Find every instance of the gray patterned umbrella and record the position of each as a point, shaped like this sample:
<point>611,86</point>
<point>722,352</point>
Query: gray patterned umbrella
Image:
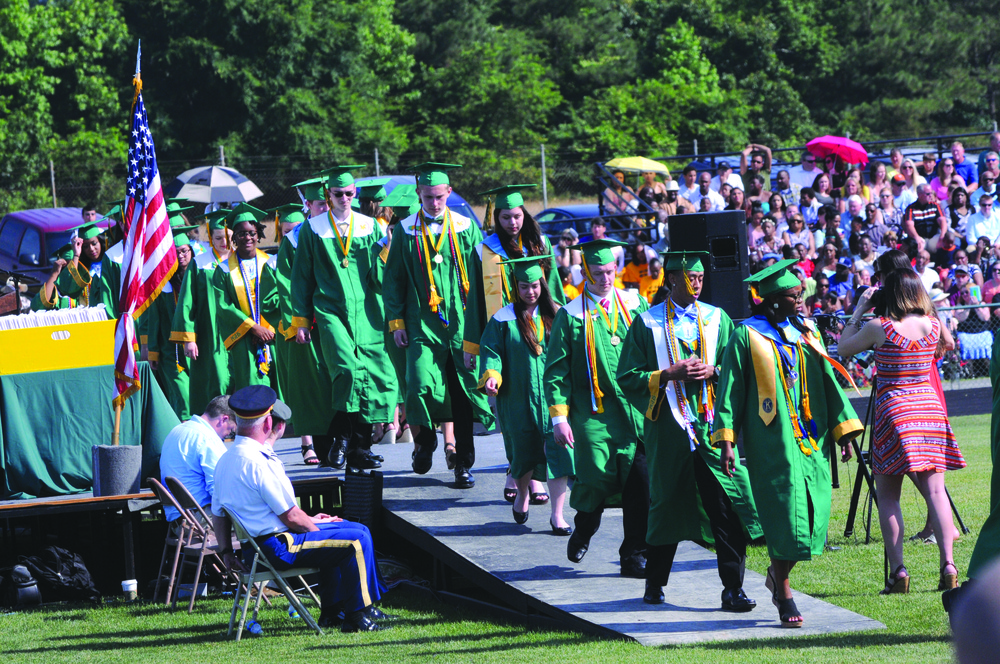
<point>212,184</point>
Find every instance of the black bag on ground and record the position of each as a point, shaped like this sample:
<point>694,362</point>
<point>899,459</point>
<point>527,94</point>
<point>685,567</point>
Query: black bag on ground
<point>18,589</point>
<point>61,575</point>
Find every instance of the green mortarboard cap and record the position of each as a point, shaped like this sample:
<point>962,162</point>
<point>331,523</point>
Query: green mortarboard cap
<point>775,278</point>
<point>373,189</point>
<point>181,239</point>
<point>598,252</point>
<point>431,174</point>
<point>689,261</point>
<point>174,206</point>
<point>88,231</point>
<point>312,189</point>
<point>115,213</point>
<point>243,213</point>
<point>64,252</point>
<point>217,219</point>
<point>355,203</point>
<point>403,200</point>
<point>339,176</point>
<point>290,213</point>
<point>528,269</point>
<point>509,196</point>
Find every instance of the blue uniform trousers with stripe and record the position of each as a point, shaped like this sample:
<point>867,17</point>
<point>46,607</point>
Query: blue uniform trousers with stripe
<point>343,552</point>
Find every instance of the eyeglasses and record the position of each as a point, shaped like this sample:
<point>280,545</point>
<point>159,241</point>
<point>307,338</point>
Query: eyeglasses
<point>991,159</point>
<point>809,161</point>
<point>947,164</point>
<point>907,168</point>
<point>885,195</point>
<point>242,234</point>
<point>342,194</point>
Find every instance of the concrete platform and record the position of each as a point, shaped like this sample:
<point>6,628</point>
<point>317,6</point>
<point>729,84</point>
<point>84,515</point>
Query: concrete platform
<point>474,533</point>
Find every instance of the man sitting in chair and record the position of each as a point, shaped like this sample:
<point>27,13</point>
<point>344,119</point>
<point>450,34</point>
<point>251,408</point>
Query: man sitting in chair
<point>250,482</point>
<point>193,448</point>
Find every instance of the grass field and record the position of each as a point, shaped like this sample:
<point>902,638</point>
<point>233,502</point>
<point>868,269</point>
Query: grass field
<point>917,627</point>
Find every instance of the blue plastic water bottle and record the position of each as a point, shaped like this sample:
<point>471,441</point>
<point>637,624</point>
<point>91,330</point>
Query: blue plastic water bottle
<point>254,628</point>
<point>292,612</point>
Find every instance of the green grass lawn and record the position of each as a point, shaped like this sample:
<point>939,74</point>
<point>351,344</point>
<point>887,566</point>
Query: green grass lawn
<point>917,627</point>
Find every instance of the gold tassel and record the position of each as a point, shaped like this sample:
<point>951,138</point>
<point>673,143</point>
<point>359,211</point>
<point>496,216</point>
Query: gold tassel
<point>277,229</point>
<point>586,270</point>
<point>757,299</point>
<point>488,217</point>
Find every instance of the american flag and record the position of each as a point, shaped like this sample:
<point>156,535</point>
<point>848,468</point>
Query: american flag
<point>150,259</point>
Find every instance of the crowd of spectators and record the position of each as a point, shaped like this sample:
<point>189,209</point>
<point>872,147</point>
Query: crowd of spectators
<point>837,219</point>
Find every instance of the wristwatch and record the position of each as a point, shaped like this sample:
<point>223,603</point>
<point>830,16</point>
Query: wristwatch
<point>716,372</point>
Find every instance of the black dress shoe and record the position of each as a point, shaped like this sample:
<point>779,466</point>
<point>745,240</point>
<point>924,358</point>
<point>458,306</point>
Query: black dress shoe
<point>465,480</point>
<point>376,457</point>
<point>560,532</point>
<point>737,601</point>
<point>338,453</point>
<point>519,517</point>
<point>374,613</point>
<point>358,621</point>
<point>634,567</point>
<point>423,458</point>
<point>362,460</point>
<point>576,549</point>
<point>654,593</point>
<point>334,618</point>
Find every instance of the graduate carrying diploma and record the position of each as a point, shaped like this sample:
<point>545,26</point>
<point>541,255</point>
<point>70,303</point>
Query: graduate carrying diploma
<point>776,385</point>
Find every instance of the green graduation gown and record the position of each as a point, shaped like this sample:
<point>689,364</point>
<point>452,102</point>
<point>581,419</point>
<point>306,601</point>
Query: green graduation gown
<point>196,319</point>
<point>397,355</point>
<point>675,512</point>
<point>432,344</point>
<point>348,315</point>
<point>59,301</point>
<point>173,372</point>
<point>80,282</point>
<point>491,293</point>
<point>988,545</point>
<point>110,280</point>
<point>521,410</point>
<point>605,442</point>
<point>786,482</point>
<point>305,386</point>
<point>235,319</point>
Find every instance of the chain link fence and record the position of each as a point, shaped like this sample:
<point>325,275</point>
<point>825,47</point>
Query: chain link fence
<point>973,328</point>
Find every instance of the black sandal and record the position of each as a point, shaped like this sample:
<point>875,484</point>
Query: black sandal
<point>897,584</point>
<point>540,498</point>
<point>509,493</point>
<point>786,607</point>
<point>309,460</point>
<point>449,454</point>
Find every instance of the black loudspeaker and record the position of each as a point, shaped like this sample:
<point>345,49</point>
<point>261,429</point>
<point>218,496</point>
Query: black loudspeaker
<point>724,236</point>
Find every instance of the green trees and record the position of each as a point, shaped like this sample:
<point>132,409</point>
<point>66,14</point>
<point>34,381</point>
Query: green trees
<point>482,82</point>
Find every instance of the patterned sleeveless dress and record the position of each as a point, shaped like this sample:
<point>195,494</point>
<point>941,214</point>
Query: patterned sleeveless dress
<point>912,432</point>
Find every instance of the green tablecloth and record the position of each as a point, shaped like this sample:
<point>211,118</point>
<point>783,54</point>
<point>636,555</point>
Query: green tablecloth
<point>50,420</point>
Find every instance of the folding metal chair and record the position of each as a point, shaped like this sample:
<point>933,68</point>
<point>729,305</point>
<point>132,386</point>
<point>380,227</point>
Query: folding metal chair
<point>178,534</point>
<point>203,542</point>
<point>270,574</point>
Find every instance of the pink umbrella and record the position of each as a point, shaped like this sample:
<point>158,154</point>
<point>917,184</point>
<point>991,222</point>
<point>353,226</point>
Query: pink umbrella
<point>850,151</point>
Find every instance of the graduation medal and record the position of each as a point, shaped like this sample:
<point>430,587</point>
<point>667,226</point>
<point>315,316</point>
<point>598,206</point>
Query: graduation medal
<point>345,247</point>
<point>438,259</point>
<point>615,340</point>
<point>801,433</point>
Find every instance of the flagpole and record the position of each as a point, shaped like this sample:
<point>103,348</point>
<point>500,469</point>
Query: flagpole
<point>137,82</point>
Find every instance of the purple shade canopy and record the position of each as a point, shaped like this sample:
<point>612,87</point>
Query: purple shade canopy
<point>51,220</point>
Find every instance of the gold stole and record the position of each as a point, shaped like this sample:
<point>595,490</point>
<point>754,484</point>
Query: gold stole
<point>495,286</point>
<point>241,294</point>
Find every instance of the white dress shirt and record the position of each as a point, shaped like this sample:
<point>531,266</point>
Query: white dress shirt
<point>250,481</point>
<point>190,453</point>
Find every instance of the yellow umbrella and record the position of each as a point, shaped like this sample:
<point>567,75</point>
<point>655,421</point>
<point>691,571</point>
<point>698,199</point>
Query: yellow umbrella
<point>638,165</point>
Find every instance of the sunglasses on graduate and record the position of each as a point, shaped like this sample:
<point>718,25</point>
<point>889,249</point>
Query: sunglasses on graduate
<point>242,234</point>
<point>341,194</point>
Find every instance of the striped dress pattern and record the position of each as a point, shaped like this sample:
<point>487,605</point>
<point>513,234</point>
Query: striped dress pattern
<point>912,432</point>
